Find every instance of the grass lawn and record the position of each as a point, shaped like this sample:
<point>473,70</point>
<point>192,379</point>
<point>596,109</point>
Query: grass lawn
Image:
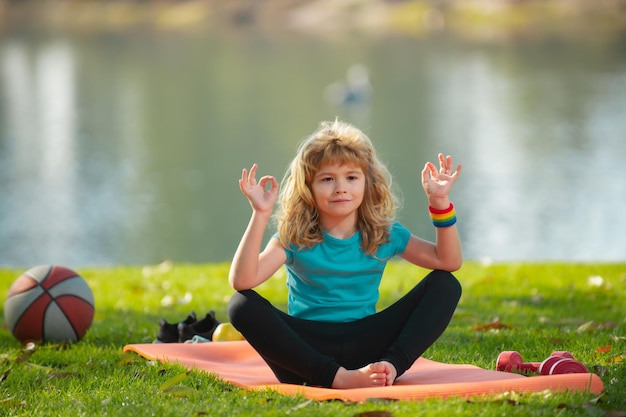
<point>532,308</point>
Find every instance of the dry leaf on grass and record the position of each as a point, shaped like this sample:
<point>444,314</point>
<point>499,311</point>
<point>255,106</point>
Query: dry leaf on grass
<point>494,325</point>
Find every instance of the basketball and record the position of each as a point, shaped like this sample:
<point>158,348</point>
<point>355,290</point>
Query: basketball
<point>49,303</point>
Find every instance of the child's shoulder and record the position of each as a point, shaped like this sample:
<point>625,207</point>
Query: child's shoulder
<point>397,227</point>
<point>399,236</point>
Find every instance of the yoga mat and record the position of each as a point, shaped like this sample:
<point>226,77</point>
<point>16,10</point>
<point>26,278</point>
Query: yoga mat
<point>238,363</point>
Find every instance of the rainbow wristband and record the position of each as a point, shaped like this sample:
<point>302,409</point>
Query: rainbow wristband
<point>443,218</point>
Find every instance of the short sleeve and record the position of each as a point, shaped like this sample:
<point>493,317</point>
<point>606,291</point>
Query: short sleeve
<point>398,240</point>
<point>288,253</point>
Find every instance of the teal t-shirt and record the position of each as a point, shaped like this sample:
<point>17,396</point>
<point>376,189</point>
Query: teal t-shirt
<point>335,281</point>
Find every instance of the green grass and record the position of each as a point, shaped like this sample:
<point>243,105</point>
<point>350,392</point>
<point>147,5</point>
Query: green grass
<point>536,308</point>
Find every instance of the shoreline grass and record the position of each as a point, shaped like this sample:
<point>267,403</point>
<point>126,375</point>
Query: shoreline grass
<point>534,308</point>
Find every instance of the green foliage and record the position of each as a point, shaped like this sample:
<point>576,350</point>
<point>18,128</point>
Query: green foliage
<point>532,308</point>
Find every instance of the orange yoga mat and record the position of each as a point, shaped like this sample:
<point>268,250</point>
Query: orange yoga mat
<point>240,364</point>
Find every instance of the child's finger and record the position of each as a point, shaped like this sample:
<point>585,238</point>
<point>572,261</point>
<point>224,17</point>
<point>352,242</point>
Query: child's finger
<point>272,181</point>
<point>458,171</point>
<point>243,181</point>
<point>449,163</point>
<point>429,168</point>
<point>274,188</point>
<point>251,177</point>
<point>263,181</point>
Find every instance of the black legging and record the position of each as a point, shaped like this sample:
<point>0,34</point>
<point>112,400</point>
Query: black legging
<point>311,352</point>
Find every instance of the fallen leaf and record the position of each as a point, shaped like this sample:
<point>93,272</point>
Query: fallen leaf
<point>591,325</point>
<point>376,413</point>
<point>585,327</point>
<point>603,349</point>
<point>179,391</point>
<point>173,381</point>
<point>127,358</point>
<point>302,405</point>
<point>27,352</point>
<point>5,375</point>
<point>494,325</point>
<point>63,375</point>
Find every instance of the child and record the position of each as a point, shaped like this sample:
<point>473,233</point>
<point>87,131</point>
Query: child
<point>336,232</point>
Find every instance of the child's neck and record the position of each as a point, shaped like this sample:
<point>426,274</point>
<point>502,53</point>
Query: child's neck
<point>340,229</point>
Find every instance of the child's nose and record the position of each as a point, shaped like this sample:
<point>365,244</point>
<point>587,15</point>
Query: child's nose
<point>340,187</point>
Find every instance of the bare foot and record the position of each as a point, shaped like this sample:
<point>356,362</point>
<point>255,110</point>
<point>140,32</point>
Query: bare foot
<point>391,372</point>
<point>376,374</point>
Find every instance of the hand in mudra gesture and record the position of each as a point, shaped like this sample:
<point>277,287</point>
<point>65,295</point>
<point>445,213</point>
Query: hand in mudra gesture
<point>261,197</point>
<point>438,183</point>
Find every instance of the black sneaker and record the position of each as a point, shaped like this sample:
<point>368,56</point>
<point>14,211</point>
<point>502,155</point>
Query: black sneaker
<point>168,332</point>
<point>203,328</point>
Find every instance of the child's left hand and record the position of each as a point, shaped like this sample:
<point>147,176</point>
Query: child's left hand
<point>438,183</point>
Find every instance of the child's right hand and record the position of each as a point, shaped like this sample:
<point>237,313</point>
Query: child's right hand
<point>260,197</point>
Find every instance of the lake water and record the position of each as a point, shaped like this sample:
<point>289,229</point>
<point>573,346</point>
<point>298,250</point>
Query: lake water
<point>126,149</point>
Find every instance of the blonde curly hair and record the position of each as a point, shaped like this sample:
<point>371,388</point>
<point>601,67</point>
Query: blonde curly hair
<point>335,143</point>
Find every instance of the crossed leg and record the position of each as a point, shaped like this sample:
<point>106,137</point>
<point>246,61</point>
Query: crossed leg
<point>332,354</point>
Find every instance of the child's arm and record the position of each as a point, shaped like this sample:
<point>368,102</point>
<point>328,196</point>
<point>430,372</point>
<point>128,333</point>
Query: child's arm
<point>249,268</point>
<point>446,253</point>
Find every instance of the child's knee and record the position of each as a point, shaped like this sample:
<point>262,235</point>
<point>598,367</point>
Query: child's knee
<point>246,305</point>
<point>448,282</point>
<point>455,285</point>
<point>236,307</point>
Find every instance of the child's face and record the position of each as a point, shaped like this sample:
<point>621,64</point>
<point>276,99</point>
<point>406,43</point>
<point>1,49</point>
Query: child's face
<point>338,190</point>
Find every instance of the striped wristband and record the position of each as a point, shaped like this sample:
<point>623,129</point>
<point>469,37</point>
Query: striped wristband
<point>443,218</point>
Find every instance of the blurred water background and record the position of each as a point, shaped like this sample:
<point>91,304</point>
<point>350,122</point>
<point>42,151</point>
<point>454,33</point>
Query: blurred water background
<point>124,127</point>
